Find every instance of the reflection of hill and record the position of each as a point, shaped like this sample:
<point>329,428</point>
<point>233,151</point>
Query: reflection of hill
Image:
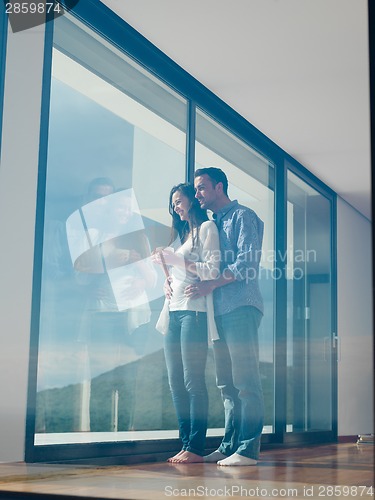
<point>144,400</point>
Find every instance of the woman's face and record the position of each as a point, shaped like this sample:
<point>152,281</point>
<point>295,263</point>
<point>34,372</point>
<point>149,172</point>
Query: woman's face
<point>181,205</point>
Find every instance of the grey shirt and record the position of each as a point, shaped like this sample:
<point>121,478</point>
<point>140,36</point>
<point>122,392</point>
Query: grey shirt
<point>241,235</point>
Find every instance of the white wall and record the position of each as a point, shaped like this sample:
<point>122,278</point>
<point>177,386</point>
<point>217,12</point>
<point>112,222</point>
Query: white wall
<point>355,328</point>
<point>18,179</point>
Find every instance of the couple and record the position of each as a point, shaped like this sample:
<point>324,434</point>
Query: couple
<point>217,296</point>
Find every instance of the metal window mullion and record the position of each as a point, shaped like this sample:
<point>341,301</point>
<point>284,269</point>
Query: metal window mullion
<point>190,141</point>
<point>38,250</point>
<point>280,305</point>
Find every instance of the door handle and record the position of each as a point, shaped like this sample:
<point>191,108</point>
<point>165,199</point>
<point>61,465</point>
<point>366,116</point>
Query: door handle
<point>336,344</point>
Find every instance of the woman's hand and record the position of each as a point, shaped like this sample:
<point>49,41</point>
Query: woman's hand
<point>169,256</point>
<point>168,288</point>
<point>172,259</point>
<point>156,255</point>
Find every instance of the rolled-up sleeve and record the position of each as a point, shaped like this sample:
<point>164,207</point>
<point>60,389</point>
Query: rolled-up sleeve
<point>208,268</point>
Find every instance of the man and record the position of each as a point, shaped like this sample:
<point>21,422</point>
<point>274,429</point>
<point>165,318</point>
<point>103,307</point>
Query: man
<point>238,312</point>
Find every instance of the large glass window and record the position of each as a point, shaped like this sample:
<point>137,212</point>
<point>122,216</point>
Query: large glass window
<point>118,138</point>
<point>251,177</point>
<point>309,320</point>
<point>116,145</point>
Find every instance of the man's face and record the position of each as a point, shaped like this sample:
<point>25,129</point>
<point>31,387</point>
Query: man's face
<point>205,192</point>
<point>123,210</point>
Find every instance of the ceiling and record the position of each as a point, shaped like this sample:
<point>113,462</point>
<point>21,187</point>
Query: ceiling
<point>296,69</point>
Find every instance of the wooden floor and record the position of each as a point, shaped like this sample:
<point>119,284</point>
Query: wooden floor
<point>343,470</point>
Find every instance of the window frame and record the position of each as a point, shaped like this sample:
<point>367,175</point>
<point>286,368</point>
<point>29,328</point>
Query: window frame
<point>99,18</point>
<point>3,49</point>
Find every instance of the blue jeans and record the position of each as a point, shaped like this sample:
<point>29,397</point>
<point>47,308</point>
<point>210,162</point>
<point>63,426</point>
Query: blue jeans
<point>185,349</point>
<point>238,378</point>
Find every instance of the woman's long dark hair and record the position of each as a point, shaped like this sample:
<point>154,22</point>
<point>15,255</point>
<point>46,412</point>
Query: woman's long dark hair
<point>197,215</point>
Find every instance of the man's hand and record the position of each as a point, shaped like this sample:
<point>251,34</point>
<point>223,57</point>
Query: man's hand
<point>200,289</point>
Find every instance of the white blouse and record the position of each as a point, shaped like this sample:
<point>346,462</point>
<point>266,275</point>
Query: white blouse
<point>207,261</point>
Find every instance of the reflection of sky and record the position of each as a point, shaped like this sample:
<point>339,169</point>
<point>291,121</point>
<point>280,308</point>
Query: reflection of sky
<point>85,141</point>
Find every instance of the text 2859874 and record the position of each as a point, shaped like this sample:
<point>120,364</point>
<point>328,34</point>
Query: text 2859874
<point>33,7</point>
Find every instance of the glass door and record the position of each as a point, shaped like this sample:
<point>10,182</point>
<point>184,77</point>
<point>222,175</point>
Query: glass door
<point>116,145</point>
<point>251,180</point>
<point>311,340</point>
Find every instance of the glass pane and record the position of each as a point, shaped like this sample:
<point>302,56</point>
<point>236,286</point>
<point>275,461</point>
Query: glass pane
<point>309,320</point>
<point>251,178</point>
<point>116,146</point>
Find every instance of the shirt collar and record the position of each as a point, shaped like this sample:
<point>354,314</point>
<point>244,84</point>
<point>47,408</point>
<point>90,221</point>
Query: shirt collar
<point>224,210</point>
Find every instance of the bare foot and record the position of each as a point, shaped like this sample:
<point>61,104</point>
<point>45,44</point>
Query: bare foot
<point>175,457</point>
<point>187,457</point>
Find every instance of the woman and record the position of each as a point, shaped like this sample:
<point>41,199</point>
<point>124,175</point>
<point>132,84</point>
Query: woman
<point>196,257</point>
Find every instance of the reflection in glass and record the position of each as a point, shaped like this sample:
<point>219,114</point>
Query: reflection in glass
<point>116,145</point>
<point>107,236</point>
<point>309,319</point>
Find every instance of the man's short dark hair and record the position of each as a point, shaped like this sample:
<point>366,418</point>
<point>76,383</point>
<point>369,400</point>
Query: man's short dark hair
<point>216,175</point>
